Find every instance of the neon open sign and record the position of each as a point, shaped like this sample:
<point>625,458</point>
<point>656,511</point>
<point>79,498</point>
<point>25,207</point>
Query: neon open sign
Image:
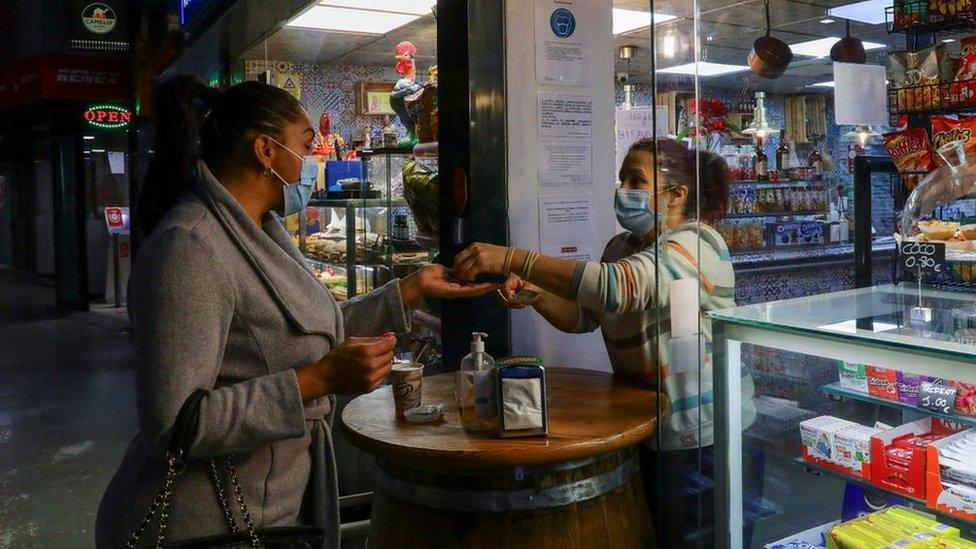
<point>108,116</point>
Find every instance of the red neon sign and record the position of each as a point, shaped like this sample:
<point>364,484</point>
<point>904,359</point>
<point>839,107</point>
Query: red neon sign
<point>108,116</point>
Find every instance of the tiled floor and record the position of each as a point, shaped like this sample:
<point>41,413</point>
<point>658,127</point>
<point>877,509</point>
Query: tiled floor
<point>67,410</point>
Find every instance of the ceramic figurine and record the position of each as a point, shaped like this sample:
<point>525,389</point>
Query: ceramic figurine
<point>407,68</point>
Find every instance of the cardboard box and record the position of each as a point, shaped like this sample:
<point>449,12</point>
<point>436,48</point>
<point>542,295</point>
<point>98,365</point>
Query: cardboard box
<point>908,480</point>
<point>853,377</point>
<point>954,499</point>
<point>817,439</point>
<point>852,449</point>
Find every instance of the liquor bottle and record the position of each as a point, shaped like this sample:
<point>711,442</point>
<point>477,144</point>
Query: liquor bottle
<point>815,161</point>
<point>762,164</point>
<point>782,156</point>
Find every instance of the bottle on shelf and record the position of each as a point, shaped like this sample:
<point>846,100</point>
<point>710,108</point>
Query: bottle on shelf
<point>762,163</point>
<point>747,164</point>
<point>475,388</point>
<point>815,161</point>
<point>783,156</point>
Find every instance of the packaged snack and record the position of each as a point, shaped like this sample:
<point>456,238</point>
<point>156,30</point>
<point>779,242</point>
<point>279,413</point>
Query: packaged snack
<point>934,229</point>
<point>908,387</point>
<point>940,11</point>
<point>853,377</point>
<point>963,90</point>
<point>852,447</point>
<point>965,397</point>
<point>917,77</point>
<point>910,13</point>
<point>910,150</point>
<point>817,437</point>
<point>882,383</point>
<point>946,130</point>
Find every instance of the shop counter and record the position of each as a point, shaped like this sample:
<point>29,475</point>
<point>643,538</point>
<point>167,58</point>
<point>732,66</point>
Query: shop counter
<point>807,358</point>
<point>437,485</point>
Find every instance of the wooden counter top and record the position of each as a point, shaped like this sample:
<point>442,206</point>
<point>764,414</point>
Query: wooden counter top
<point>590,413</point>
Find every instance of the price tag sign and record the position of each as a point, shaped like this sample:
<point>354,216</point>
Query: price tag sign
<point>922,258</point>
<point>936,398</point>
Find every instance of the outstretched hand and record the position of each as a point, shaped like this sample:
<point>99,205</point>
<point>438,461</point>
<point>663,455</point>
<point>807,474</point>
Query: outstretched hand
<point>438,281</point>
<point>480,258</point>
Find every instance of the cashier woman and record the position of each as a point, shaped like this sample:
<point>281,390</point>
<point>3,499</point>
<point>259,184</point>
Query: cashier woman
<point>221,300</point>
<point>665,215</point>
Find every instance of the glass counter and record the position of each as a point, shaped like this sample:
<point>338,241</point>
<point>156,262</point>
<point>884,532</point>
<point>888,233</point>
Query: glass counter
<point>859,356</point>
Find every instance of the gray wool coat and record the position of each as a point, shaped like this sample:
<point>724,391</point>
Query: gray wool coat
<point>219,303</point>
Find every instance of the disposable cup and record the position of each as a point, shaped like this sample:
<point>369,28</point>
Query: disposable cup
<point>407,381</point>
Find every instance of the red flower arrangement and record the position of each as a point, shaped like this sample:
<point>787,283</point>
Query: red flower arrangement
<point>711,115</point>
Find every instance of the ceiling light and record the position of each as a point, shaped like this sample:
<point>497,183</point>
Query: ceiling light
<point>871,12</point>
<point>98,150</point>
<point>625,21</point>
<point>948,40</point>
<point>413,7</point>
<point>826,21</point>
<point>350,20</point>
<point>759,127</point>
<point>88,137</point>
<point>703,68</point>
<point>829,84</point>
<point>821,47</point>
<point>862,134</point>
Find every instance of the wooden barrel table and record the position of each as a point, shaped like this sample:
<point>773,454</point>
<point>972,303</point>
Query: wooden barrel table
<point>440,486</point>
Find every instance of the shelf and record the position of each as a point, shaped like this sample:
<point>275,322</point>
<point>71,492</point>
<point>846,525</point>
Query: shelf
<point>406,151</point>
<point>777,184</point>
<point>941,97</point>
<point>775,214</point>
<point>857,480</point>
<point>357,202</point>
<point>962,22</point>
<point>834,389</point>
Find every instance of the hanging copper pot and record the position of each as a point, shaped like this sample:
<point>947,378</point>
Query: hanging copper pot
<point>849,49</point>
<point>770,56</point>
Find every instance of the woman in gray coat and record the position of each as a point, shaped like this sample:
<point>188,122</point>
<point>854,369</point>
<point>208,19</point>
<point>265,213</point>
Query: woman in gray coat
<point>220,299</point>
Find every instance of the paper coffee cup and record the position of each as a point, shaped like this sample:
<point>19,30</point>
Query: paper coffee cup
<point>407,381</point>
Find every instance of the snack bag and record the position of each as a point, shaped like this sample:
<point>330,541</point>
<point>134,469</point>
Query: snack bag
<point>963,90</point>
<point>917,77</point>
<point>949,10</point>
<point>910,150</point>
<point>909,13</point>
<point>946,130</point>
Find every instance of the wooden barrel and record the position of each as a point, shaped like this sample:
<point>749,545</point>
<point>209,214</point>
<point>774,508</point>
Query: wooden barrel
<point>586,503</point>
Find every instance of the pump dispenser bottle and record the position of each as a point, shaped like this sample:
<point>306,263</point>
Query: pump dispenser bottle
<point>475,388</point>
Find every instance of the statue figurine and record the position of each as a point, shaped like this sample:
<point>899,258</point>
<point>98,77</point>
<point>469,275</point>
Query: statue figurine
<point>407,68</point>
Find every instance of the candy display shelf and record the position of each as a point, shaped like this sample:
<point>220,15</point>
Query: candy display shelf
<point>935,24</point>
<point>835,390</point>
<point>775,214</point>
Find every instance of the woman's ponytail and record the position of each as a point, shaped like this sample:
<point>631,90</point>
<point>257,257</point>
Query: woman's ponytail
<point>176,146</point>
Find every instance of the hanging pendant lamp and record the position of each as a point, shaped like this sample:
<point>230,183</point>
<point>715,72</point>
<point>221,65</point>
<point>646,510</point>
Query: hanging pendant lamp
<point>770,56</point>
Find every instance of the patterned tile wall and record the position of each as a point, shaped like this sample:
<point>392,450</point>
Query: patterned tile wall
<point>329,88</point>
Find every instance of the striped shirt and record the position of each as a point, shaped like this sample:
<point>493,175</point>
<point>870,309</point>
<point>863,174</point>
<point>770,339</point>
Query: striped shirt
<point>628,299</point>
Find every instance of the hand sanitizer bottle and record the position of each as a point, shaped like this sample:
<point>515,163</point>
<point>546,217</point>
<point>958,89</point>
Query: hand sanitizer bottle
<point>475,388</point>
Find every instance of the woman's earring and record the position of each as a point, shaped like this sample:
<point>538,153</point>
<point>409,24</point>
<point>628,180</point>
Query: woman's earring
<point>266,172</point>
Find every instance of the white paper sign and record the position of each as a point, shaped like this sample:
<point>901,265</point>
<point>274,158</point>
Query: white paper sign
<point>562,55</point>
<point>859,95</point>
<point>565,162</point>
<point>565,218</point>
<point>638,123</point>
<point>565,116</point>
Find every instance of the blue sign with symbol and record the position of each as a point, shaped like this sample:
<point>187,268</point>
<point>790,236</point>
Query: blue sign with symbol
<point>562,22</point>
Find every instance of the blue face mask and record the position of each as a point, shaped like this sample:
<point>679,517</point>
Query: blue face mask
<point>298,194</point>
<point>634,211</point>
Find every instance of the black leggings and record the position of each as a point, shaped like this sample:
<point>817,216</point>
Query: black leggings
<point>679,486</point>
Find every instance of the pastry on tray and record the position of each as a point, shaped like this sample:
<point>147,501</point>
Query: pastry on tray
<point>938,230</point>
<point>968,232</point>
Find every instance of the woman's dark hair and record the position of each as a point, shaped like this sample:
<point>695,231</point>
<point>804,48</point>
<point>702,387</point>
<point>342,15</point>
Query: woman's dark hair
<point>193,120</point>
<point>680,160</point>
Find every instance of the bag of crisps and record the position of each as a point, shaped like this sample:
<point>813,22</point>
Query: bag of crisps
<point>946,130</point>
<point>963,90</point>
<point>950,10</point>
<point>910,150</point>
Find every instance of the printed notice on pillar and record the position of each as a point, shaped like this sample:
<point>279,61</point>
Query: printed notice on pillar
<point>565,139</point>
<point>562,44</point>
<point>565,218</point>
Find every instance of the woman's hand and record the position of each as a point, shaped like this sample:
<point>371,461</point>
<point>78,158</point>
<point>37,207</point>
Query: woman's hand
<point>513,285</point>
<point>480,258</point>
<point>436,280</point>
<point>355,366</point>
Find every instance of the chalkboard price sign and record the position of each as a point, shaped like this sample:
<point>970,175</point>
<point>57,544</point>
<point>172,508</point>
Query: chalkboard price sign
<point>922,258</point>
<point>936,397</point>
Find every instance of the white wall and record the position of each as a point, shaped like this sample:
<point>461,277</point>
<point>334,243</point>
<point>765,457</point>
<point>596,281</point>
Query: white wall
<point>530,333</point>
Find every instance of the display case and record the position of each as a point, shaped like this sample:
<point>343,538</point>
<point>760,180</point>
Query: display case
<point>856,395</point>
<point>356,244</point>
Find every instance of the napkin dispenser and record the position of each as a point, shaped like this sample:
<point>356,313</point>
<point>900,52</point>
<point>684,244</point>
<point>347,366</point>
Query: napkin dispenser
<point>521,392</point>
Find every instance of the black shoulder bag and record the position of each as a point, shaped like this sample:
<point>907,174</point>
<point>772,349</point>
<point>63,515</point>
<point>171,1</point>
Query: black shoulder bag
<point>287,537</point>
